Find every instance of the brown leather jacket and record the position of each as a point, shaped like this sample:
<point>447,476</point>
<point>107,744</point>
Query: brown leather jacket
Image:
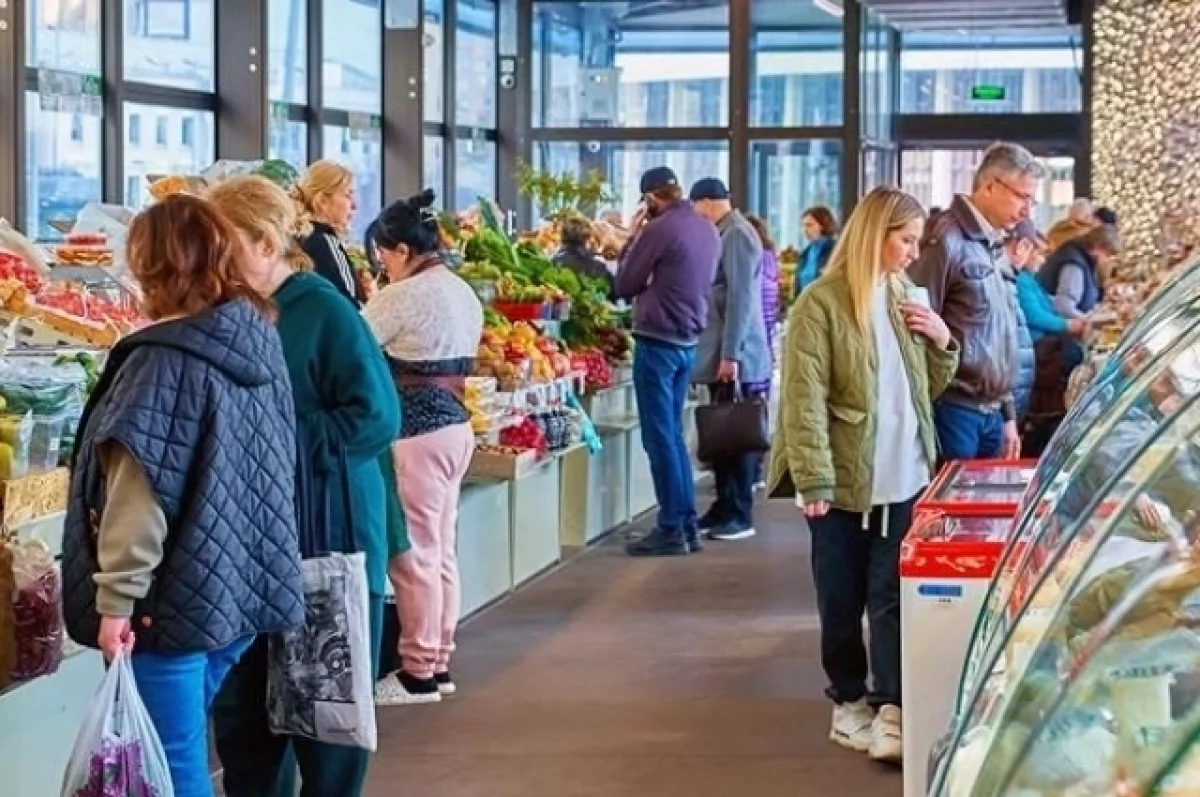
<point>963,270</point>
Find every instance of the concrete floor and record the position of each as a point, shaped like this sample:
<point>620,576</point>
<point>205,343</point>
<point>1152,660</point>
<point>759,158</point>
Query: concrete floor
<point>612,677</point>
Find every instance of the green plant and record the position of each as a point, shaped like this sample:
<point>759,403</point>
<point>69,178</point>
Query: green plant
<point>560,195</point>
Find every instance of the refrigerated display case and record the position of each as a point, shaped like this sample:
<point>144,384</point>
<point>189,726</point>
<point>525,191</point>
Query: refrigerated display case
<point>979,488</point>
<point>1083,674</point>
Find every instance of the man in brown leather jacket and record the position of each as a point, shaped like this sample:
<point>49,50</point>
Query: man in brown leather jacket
<point>962,265</point>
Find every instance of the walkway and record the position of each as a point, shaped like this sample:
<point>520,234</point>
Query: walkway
<point>695,677</point>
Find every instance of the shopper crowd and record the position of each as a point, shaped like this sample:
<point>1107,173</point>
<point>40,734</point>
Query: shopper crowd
<point>272,400</point>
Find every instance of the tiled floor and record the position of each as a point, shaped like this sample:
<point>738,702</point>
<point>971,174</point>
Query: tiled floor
<point>694,677</point>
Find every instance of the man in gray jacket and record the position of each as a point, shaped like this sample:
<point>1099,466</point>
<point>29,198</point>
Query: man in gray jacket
<point>733,354</point>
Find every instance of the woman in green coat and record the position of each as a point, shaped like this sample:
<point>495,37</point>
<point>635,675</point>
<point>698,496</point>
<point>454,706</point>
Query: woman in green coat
<point>863,360</point>
<point>349,414</point>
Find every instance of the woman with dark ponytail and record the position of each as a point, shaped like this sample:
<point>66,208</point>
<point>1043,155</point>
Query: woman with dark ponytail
<point>428,322</point>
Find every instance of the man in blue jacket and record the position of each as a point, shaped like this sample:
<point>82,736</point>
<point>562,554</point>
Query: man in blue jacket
<point>667,270</point>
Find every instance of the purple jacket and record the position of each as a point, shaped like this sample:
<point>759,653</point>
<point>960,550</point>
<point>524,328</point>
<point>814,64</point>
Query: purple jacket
<point>668,271</point>
<point>770,294</point>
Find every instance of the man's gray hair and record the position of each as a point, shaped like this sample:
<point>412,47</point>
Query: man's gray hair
<point>1007,160</point>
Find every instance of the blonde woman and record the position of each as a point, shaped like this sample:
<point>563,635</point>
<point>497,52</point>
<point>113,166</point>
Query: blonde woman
<point>347,417</point>
<point>326,201</point>
<point>863,360</point>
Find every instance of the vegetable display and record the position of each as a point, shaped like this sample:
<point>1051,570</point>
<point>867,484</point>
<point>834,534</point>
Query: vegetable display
<point>37,609</point>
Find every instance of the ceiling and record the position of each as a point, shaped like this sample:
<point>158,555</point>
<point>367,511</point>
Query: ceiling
<point>971,15</point>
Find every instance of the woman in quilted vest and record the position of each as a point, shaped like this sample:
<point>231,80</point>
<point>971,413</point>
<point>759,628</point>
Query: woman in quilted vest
<point>349,416</point>
<point>863,360</point>
<point>181,544</point>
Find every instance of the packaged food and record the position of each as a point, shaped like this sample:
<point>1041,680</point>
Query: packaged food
<point>37,610</point>
<point>16,437</point>
<point>45,441</point>
<point>40,389</point>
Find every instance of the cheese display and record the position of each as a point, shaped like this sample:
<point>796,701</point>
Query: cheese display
<point>1083,674</point>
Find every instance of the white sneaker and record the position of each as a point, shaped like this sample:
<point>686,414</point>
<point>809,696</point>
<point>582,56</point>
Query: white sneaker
<point>851,726</point>
<point>886,741</point>
<point>390,692</point>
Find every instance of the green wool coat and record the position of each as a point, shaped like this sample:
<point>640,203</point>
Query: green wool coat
<point>346,400</point>
<point>824,444</point>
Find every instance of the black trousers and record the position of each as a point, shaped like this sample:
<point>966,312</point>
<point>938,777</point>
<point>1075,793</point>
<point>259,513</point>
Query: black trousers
<point>734,477</point>
<point>856,570</point>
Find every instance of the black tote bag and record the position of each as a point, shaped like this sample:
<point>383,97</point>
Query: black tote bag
<point>732,427</point>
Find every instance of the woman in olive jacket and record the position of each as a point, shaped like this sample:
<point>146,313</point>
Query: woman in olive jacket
<point>863,360</point>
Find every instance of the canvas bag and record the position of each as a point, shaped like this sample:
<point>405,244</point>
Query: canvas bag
<point>320,684</point>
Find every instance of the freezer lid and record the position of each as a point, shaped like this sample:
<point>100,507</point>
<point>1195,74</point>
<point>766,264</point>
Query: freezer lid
<point>980,486</point>
<point>943,545</point>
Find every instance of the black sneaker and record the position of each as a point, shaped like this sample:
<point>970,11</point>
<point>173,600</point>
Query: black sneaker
<point>730,532</point>
<point>445,684</point>
<point>402,689</point>
<point>694,543</point>
<point>710,520</point>
<point>658,543</point>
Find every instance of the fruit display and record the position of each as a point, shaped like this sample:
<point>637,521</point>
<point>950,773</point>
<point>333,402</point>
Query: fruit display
<point>594,366</point>
<point>525,434</point>
<point>560,425</point>
<point>519,354</point>
<point>617,344</point>
<point>14,267</point>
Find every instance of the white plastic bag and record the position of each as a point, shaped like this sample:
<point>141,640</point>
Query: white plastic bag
<point>117,752</point>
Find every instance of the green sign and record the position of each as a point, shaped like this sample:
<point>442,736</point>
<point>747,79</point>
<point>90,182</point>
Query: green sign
<point>982,92</point>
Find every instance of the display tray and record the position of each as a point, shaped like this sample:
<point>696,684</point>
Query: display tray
<point>983,488</point>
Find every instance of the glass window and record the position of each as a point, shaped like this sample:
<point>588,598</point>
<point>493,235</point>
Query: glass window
<point>934,176</point>
<point>787,177</point>
<point>631,64</point>
<point>434,167</point>
<point>474,171</point>
<point>363,153</point>
<point>63,35</point>
<point>621,164</point>
<point>287,51</point>
<point>288,140</point>
<point>353,55</point>
<point>164,156</point>
<point>434,40</point>
<point>170,43</point>
<point>62,165</point>
<point>475,64</point>
<point>797,65</point>
<point>989,72</point>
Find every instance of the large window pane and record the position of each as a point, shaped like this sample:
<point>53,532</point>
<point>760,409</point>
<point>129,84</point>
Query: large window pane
<point>63,35</point>
<point>935,176</point>
<point>621,164</point>
<point>62,165</point>
<point>170,43</point>
<point>287,50</point>
<point>787,177</point>
<point>631,64</point>
<point>475,63</point>
<point>475,172</point>
<point>797,65</point>
<point>434,167</point>
<point>433,70</point>
<point>162,141</point>
<point>353,44</point>
<point>362,151</point>
<point>288,140</point>
<point>1010,72</point>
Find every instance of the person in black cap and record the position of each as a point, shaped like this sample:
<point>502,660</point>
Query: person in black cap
<point>733,358</point>
<point>667,269</point>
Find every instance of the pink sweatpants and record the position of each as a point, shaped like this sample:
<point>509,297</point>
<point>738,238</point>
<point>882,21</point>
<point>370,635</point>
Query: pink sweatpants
<point>429,473</point>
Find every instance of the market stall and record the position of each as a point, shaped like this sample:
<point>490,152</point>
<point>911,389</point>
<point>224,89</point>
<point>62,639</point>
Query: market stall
<point>1082,675</point>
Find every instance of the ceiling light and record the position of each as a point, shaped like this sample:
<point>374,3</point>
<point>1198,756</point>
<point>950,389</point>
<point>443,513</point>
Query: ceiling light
<point>830,7</point>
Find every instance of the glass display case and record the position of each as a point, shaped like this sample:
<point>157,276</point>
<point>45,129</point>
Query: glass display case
<point>980,488</point>
<point>1083,674</point>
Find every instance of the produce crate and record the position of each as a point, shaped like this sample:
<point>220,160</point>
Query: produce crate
<point>32,497</point>
<point>521,311</point>
<point>491,466</point>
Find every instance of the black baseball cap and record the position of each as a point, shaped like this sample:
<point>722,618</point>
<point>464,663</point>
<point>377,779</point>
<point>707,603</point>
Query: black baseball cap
<point>709,188</point>
<point>658,177</point>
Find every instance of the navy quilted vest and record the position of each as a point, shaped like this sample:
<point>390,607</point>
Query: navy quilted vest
<point>204,404</point>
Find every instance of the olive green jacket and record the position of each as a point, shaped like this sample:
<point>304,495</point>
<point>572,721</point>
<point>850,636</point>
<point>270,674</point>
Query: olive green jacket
<point>824,444</point>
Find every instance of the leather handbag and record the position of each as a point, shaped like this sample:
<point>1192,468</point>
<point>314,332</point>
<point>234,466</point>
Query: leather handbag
<point>732,425</point>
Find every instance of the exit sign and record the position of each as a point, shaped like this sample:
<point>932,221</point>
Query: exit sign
<point>982,92</point>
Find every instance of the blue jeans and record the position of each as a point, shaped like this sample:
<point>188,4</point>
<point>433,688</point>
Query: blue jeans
<point>965,433</point>
<point>661,375</point>
<point>178,689</point>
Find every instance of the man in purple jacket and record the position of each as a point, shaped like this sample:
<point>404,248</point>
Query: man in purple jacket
<point>667,269</point>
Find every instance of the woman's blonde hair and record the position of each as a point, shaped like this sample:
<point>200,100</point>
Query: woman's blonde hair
<point>264,212</point>
<point>321,180</point>
<point>860,247</point>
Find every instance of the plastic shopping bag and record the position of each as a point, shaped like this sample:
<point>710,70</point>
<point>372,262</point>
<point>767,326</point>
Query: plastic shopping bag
<point>118,752</point>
